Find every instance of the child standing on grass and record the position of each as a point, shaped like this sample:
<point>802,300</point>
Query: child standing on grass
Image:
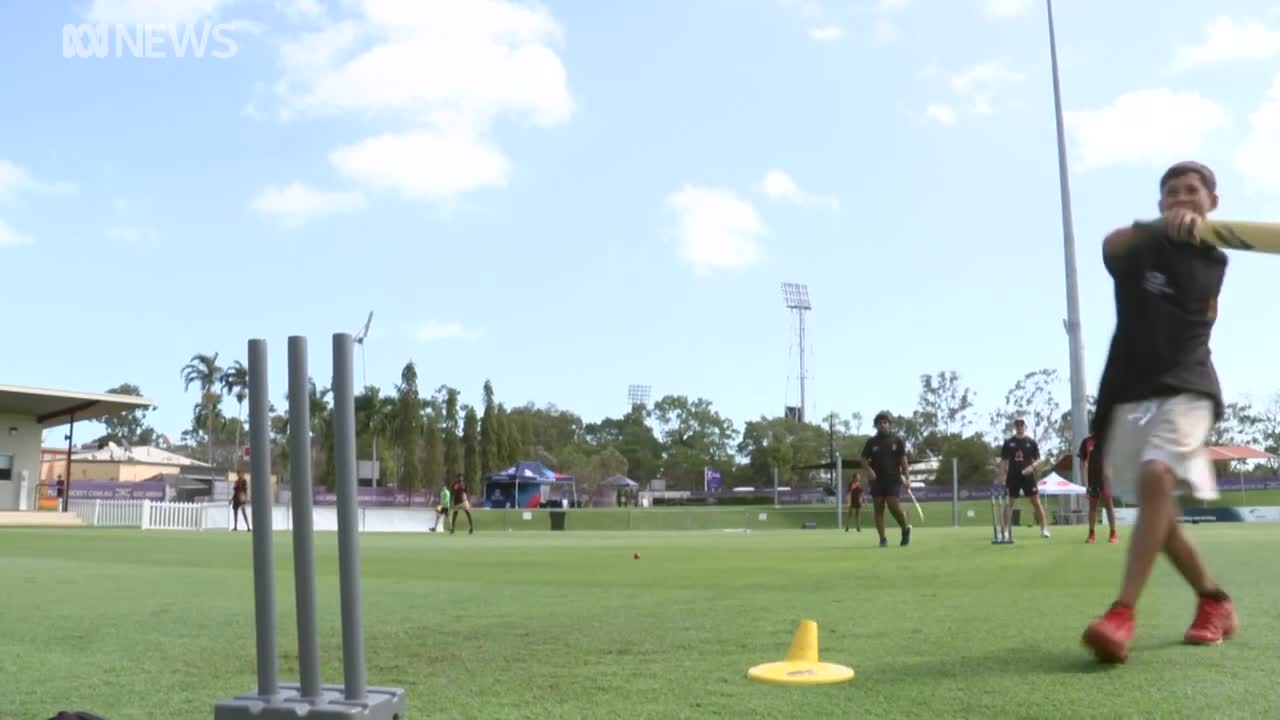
<point>1159,398</point>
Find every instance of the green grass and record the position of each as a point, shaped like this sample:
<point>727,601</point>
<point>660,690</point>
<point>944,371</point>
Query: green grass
<point>150,625</point>
<point>787,517</point>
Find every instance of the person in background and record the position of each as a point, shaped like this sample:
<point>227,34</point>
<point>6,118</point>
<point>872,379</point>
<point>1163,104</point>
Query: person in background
<point>239,502</point>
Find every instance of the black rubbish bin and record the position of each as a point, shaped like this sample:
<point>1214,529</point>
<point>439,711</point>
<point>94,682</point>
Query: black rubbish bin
<point>1015,518</point>
<point>557,519</point>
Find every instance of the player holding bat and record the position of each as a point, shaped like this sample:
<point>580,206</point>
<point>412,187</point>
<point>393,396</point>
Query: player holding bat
<point>1159,398</point>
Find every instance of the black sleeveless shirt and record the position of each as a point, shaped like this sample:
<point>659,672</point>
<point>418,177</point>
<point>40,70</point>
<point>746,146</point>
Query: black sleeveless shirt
<point>1166,297</point>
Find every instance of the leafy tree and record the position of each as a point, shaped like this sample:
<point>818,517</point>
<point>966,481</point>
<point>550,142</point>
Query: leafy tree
<point>128,426</point>
<point>471,448</point>
<point>408,421</point>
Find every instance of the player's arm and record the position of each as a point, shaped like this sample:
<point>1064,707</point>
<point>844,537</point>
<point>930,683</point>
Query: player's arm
<point>1030,469</point>
<point>866,459</point>
<point>1005,455</point>
<point>902,463</point>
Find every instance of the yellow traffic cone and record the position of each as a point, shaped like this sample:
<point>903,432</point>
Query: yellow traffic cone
<point>802,667</point>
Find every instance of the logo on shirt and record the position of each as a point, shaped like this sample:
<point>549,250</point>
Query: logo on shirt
<point>1156,283</point>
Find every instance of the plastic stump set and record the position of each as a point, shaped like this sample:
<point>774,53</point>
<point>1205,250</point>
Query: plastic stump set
<point>307,698</point>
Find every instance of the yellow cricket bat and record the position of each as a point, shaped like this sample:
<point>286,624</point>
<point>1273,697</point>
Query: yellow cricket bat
<point>1238,235</point>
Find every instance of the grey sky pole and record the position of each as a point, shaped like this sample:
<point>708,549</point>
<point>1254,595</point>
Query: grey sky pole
<point>264,588</point>
<point>304,556</point>
<point>955,492</point>
<point>839,492</point>
<point>344,449</point>
<point>1075,340</point>
<point>775,486</point>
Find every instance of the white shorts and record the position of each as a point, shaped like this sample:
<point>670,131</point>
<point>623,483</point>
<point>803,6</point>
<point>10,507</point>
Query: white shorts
<point>1172,430</point>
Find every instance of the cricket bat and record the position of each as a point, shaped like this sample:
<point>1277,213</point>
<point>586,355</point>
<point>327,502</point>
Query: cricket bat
<point>913,502</point>
<point>1240,235</point>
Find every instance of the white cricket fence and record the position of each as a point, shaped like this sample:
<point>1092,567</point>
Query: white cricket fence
<point>151,515</point>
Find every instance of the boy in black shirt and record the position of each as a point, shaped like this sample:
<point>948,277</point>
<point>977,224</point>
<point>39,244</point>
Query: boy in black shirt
<point>1159,399</point>
<point>1099,492</point>
<point>885,455</point>
<point>1018,460</point>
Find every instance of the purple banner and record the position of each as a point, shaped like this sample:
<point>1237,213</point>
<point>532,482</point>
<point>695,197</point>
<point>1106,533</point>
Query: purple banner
<point>112,490</point>
<point>375,497</point>
<point>711,479</point>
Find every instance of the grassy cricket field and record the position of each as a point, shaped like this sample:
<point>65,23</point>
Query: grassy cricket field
<point>506,625</point>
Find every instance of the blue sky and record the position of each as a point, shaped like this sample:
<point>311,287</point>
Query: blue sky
<point>571,197</point>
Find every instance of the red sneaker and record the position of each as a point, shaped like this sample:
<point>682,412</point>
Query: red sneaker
<point>1091,539</point>
<point>1215,621</point>
<point>1109,635</point>
<point>1113,539</point>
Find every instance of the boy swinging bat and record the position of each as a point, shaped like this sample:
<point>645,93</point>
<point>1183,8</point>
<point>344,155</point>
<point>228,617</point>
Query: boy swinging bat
<point>1159,399</point>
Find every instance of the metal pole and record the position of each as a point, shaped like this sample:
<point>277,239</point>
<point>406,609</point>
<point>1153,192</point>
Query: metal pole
<point>839,492</point>
<point>775,486</point>
<point>344,449</point>
<point>955,492</point>
<point>1075,341</point>
<point>802,407</point>
<point>264,576</point>
<point>66,483</point>
<point>304,560</point>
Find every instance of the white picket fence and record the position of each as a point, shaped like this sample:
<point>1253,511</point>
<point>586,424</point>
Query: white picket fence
<point>152,515</point>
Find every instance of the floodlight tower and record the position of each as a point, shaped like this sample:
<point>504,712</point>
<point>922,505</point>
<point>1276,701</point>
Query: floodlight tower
<point>796,296</point>
<point>637,395</point>
<point>359,339</point>
<point>1075,339</point>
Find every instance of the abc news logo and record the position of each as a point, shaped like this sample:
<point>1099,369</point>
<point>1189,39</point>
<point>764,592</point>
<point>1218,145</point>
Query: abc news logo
<point>152,41</point>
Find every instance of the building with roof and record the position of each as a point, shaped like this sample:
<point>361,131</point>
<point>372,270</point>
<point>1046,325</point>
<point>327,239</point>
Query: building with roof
<point>25,413</point>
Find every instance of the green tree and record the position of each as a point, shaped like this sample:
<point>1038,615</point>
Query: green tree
<point>632,437</point>
<point>433,471</point>
<point>974,458</point>
<point>488,432</point>
<point>235,383</point>
<point>451,432</point>
<point>471,448</point>
<point>409,430</point>
<point>128,426</point>
<point>204,372</point>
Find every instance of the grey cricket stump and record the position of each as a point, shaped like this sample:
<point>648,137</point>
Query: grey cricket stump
<point>344,455</point>
<point>300,489</point>
<point>264,581</point>
<point>308,699</point>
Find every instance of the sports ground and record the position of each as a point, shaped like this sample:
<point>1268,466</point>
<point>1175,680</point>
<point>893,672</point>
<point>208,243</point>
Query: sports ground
<point>134,624</point>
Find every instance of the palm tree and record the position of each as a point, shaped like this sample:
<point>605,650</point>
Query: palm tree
<point>203,370</point>
<point>235,382</point>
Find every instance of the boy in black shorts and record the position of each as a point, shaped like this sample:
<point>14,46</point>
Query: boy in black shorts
<point>1099,489</point>
<point>1018,460</point>
<point>885,455</point>
<point>1160,398</point>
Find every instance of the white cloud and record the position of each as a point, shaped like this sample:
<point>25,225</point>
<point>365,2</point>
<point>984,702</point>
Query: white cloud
<point>778,185</point>
<point>1258,157</point>
<point>979,89</point>
<point>435,330</point>
<point>942,113</point>
<point>1003,9</point>
<point>1136,128</point>
<point>10,237</point>
<point>980,84</point>
<point>715,229</point>
<point>826,33</point>
<point>424,165</point>
<point>442,73</point>
<point>1227,39</point>
<point>130,12</point>
<point>15,180</point>
<point>308,9</point>
<point>296,204</point>
<point>141,236</point>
